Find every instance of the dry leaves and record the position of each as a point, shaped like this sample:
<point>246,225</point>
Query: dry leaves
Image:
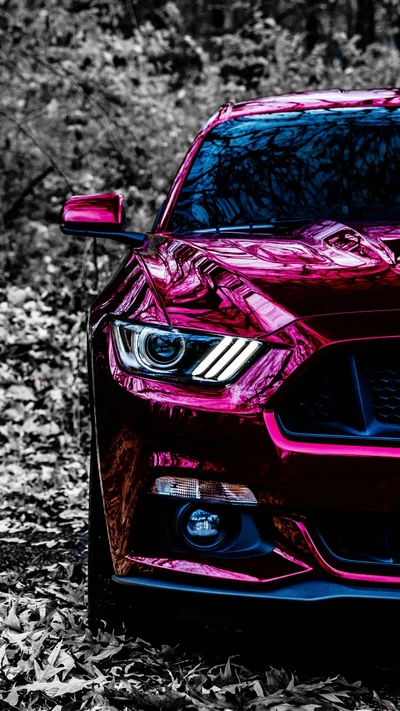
<point>48,657</point>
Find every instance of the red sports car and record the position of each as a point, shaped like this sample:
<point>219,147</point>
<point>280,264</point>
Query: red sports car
<point>245,372</point>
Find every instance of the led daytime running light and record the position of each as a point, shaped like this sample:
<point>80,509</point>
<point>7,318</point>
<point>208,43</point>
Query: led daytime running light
<point>212,357</point>
<point>237,363</point>
<point>226,359</point>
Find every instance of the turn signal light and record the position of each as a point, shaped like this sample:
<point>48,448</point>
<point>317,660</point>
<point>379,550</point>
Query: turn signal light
<point>215,491</point>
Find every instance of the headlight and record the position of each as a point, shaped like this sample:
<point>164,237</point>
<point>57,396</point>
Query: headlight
<point>159,350</point>
<point>168,353</point>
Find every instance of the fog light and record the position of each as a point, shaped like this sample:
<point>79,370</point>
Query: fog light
<point>203,528</point>
<point>201,524</point>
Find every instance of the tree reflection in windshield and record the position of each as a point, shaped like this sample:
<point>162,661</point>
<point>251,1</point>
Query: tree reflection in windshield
<point>340,164</point>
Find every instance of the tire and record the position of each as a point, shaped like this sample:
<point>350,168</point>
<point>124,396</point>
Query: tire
<point>111,606</point>
<point>106,600</point>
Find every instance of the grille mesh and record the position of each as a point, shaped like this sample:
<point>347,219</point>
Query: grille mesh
<point>315,399</point>
<point>385,391</point>
<point>351,391</point>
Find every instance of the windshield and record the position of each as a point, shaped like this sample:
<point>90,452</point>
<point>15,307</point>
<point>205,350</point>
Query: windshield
<point>341,164</point>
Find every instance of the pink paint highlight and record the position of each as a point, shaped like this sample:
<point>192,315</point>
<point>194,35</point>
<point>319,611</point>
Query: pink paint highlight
<point>105,208</point>
<point>321,448</point>
<point>344,574</point>
<point>172,459</point>
<point>210,571</point>
<point>239,284</point>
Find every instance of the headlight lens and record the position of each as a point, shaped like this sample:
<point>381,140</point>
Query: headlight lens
<point>166,352</point>
<point>159,350</point>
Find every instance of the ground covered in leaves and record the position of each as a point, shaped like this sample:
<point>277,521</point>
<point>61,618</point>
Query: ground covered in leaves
<point>48,657</point>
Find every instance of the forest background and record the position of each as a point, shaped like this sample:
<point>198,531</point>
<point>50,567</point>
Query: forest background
<point>101,96</point>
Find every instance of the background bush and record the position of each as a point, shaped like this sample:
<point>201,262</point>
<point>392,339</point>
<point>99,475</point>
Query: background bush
<point>98,96</point>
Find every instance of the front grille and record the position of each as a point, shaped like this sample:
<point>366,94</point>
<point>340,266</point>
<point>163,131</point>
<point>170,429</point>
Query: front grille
<point>347,392</point>
<point>316,401</point>
<point>384,380</point>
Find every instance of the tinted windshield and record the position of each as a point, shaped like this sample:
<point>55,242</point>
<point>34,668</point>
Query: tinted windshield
<point>341,164</point>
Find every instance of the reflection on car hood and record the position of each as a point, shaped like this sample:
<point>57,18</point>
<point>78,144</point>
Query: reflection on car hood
<point>256,283</point>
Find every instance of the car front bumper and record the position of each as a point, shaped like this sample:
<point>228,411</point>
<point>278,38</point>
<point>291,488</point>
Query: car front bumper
<point>298,603</point>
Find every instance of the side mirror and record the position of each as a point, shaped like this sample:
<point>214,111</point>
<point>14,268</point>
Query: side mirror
<point>98,216</point>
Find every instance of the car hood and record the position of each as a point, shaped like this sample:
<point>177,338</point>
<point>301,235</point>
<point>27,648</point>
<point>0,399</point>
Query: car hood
<point>254,283</point>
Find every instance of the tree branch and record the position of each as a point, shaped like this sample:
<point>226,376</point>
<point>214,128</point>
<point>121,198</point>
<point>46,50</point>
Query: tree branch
<point>10,214</point>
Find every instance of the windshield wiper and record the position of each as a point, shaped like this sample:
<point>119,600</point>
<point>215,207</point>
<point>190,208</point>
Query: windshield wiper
<point>292,220</point>
<point>272,224</point>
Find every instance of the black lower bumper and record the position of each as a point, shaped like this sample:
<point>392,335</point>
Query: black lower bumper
<point>311,601</point>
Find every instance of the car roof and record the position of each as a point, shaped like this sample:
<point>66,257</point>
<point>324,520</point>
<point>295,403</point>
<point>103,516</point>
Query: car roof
<point>312,100</point>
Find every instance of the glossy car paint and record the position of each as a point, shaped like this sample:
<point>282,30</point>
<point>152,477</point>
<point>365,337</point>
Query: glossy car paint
<point>345,574</point>
<point>342,450</point>
<point>325,284</point>
<point>106,208</point>
<point>280,565</point>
